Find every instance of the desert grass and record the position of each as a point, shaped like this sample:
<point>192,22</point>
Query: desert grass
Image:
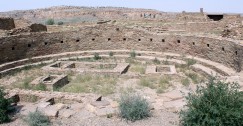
<point>99,84</point>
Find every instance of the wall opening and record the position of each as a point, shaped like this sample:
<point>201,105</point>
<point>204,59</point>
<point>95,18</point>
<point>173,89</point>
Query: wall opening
<point>193,43</point>
<point>222,48</point>
<point>139,39</point>
<point>215,17</point>
<point>61,41</point>
<point>109,39</point>
<point>163,40</point>
<point>236,53</point>
<point>29,45</point>
<point>207,45</point>
<point>77,40</point>
<point>151,40</point>
<point>178,41</point>
<point>117,29</point>
<point>93,39</point>
<point>124,39</point>
<point>13,48</point>
<point>45,43</point>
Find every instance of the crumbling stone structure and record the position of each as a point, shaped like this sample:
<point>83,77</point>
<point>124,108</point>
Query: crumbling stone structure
<point>6,23</point>
<point>225,51</point>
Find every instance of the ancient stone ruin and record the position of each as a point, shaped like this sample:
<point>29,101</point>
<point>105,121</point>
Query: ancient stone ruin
<point>109,51</point>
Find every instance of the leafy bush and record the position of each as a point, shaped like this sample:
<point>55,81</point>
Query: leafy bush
<point>111,54</point>
<point>60,23</point>
<point>156,61</point>
<point>37,119</point>
<point>133,107</point>
<point>50,22</point>
<point>133,54</point>
<point>96,56</point>
<point>215,104</point>
<point>4,104</point>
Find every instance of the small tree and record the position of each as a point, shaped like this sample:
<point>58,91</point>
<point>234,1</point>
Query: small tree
<point>50,22</point>
<point>216,104</point>
<point>4,104</point>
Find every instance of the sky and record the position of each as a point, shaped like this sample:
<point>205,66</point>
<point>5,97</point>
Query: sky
<point>216,6</point>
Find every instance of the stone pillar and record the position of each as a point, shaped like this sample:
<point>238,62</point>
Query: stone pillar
<point>201,10</point>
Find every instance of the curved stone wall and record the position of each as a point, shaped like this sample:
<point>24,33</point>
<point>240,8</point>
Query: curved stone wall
<point>109,37</point>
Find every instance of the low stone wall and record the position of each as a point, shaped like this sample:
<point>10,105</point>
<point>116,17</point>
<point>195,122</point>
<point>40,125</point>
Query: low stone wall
<point>59,97</point>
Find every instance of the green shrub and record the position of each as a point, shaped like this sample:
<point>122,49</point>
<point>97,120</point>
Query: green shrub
<point>60,23</point>
<point>37,119</point>
<point>50,22</point>
<point>111,54</point>
<point>4,104</point>
<point>156,61</point>
<point>190,62</point>
<point>215,104</point>
<point>133,107</point>
<point>96,56</point>
<point>133,54</point>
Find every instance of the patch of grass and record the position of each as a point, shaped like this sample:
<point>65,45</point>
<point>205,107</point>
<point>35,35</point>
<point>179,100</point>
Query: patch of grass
<point>37,119</point>
<point>24,84</point>
<point>156,61</point>
<point>165,62</point>
<point>148,82</point>
<point>138,68</point>
<point>40,87</point>
<point>193,76</point>
<point>164,83</point>
<point>216,104</point>
<point>133,107</point>
<point>185,81</point>
<point>132,61</point>
<point>99,84</point>
<point>190,62</point>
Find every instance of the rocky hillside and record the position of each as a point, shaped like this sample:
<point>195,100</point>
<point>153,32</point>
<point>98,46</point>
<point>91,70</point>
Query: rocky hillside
<point>77,14</point>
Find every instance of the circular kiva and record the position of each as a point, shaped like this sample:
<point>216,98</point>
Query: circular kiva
<point>211,57</point>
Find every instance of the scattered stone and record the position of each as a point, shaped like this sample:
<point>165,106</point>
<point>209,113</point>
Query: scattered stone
<point>175,106</point>
<point>43,104</point>
<point>174,95</point>
<point>50,111</point>
<point>114,104</point>
<point>100,104</point>
<point>60,106</point>
<point>105,111</point>
<point>66,113</point>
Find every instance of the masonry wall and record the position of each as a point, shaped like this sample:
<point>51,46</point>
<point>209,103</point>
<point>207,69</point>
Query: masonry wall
<point>7,23</point>
<point>108,37</point>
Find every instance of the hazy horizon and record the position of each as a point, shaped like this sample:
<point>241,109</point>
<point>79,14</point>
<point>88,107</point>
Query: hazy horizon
<point>216,6</point>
